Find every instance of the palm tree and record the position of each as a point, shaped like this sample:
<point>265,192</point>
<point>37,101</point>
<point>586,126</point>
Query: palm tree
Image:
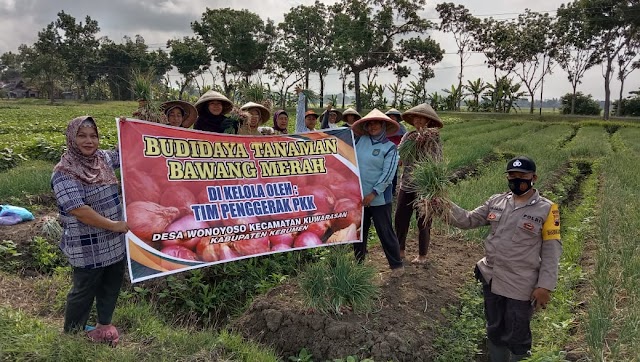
<point>475,89</point>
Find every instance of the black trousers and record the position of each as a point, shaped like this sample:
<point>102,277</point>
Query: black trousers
<point>101,284</point>
<point>508,320</point>
<point>381,216</point>
<point>404,211</point>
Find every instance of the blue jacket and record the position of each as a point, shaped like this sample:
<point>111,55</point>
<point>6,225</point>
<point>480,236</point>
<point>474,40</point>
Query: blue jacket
<point>377,162</point>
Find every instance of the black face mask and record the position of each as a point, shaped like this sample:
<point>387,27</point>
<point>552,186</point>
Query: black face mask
<point>514,185</point>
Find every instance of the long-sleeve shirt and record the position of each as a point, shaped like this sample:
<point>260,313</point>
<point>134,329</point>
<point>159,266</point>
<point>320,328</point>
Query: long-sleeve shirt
<point>523,250</point>
<point>432,147</point>
<point>378,162</point>
<point>300,111</point>
<point>88,246</point>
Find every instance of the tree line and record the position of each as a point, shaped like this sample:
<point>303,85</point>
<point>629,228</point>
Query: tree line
<point>354,37</point>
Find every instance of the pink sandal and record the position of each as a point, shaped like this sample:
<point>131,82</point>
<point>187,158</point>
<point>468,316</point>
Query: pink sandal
<point>105,334</point>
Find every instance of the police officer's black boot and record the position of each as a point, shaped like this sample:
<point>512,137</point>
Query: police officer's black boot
<point>518,357</point>
<point>498,353</point>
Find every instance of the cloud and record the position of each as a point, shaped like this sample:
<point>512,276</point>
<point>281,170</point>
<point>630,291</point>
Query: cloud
<point>160,20</point>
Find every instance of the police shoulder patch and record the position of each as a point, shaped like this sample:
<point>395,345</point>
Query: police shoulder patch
<point>551,227</point>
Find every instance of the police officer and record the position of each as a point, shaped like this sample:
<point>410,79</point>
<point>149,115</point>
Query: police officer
<point>522,252</point>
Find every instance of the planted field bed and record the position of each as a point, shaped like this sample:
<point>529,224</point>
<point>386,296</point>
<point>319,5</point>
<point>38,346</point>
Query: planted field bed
<point>432,313</point>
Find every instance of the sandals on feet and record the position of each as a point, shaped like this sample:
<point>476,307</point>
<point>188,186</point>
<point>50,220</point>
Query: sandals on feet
<point>420,261</point>
<point>104,334</point>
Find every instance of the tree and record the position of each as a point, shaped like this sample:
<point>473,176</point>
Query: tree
<point>400,71</point>
<point>11,65</point>
<point>628,61</point>
<point>425,52</point>
<point>364,33</point>
<point>580,104</point>
<point>44,61</point>
<point>79,48</point>
<point>574,48</point>
<point>238,39</point>
<point>191,58</point>
<point>304,35</point>
<point>530,50</point>
<point>611,25</point>
<point>494,38</point>
<point>118,61</point>
<point>282,68</point>
<point>458,21</point>
<point>475,88</point>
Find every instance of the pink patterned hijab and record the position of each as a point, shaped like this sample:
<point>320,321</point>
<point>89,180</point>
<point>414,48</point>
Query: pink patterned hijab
<point>92,170</point>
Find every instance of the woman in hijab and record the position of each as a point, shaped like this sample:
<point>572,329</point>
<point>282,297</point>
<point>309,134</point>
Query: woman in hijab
<point>280,122</point>
<point>180,113</point>
<point>212,107</point>
<point>86,191</point>
<point>377,160</point>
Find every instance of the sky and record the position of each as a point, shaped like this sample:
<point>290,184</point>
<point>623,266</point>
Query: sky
<point>160,20</point>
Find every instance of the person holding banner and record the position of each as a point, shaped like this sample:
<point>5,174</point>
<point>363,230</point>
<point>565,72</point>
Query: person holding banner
<point>280,122</point>
<point>426,123</point>
<point>305,121</point>
<point>377,160</point>
<point>86,190</point>
<point>212,108</point>
<point>259,116</point>
<point>180,113</point>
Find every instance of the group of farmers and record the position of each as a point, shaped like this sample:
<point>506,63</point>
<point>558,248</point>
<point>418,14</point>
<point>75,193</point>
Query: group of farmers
<point>522,251</point>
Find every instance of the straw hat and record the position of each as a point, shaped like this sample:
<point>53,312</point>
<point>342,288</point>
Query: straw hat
<point>353,112</point>
<point>264,112</point>
<point>190,112</point>
<point>426,111</point>
<point>374,115</point>
<point>333,110</point>
<point>394,112</point>
<point>212,95</point>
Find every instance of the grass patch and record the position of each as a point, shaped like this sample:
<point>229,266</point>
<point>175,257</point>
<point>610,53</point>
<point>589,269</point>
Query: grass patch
<point>28,179</point>
<point>337,282</point>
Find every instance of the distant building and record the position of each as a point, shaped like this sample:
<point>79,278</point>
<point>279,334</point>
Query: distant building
<point>19,89</point>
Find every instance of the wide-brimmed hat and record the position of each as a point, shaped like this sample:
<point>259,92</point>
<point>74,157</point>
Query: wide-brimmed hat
<point>333,110</point>
<point>394,112</point>
<point>264,112</point>
<point>423,110</point>
<point>374,115</point>
<point>351,111</point>
<point>212,95</point>
<point>190,112</point>
<point>311,113</point>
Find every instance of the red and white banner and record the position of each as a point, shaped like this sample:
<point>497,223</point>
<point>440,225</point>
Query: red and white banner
<point>194,199</point>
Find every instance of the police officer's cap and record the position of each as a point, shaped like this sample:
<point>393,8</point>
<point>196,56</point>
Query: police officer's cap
<point>521,164</point>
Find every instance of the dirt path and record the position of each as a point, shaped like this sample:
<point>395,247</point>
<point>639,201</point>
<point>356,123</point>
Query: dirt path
<point>401,329</point>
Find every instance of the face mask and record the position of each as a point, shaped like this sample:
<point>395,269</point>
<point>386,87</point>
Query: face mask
<point>514,185</point>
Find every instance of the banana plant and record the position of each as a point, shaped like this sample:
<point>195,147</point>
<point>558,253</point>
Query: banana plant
<point>475,88</point>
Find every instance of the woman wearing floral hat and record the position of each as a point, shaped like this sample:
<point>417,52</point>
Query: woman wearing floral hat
<point>426,123</point>
<point>377,160</point>
<point>212,107</point>
<point>259,116</point>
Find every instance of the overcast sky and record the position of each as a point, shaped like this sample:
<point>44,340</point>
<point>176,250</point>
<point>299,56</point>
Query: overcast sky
<point>160,20</point>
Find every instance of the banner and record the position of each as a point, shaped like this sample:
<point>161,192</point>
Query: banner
<point>193,199</point>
